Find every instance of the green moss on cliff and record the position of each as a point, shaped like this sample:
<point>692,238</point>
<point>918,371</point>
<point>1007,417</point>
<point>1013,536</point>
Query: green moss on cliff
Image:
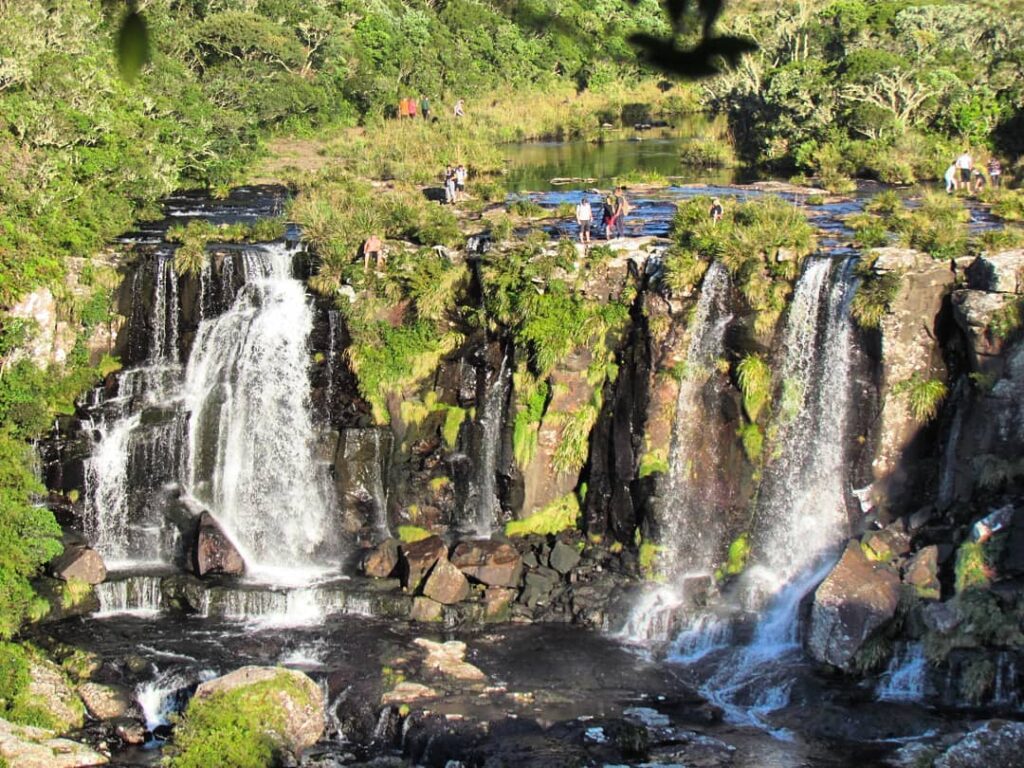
<point>557,516</point>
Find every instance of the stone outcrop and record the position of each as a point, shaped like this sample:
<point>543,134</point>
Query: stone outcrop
<point>995,744</point>
<point>908,346</point>
<point>449,659</point>
<point>214,552</point>
<point>446,584</point>
<point>299,702</point>
<point>381,561</point>
<point>50,690</point>
<point>104,702</point>
<point>856,598</point>
<point>27,747</point>
<point>974,312</point>
<point>495,563</point>
<point>998,272</point>
<point>80,563</point>
<point>417,558</point>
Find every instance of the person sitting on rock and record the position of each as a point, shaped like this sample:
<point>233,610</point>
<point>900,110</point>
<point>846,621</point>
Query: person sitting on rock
<point>374,247</point>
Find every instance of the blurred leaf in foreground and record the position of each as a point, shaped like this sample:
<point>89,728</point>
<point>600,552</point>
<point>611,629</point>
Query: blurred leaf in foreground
<point>132,46</point>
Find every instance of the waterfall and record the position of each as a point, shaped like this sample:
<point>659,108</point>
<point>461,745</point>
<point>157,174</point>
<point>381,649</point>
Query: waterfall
<point>690,528</point>
<point>904,679</point>
<point>690,522</point>
<point>232,430</point>
<point>136,439</point>
<point>483,497</point>
<point>134,594</point>
<point>800,515</point>
<point>250,437</point>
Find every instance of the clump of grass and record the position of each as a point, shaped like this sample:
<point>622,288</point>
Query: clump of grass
<point>874,297</point>
<point>531,400</point>
<point>571,453</point>
<point>938,227</point>
<point>887,203</point>
<point>752,439</point>
<point>1006,322</point>
<point>527,209</point>
<point>737,556</point>
<point>653,462</point>
<point>557,516</point>
<point>977,679</point>
<point>755,380</point>
<point>923,395</point>
<point>1008,204</point>
<point>972,570</point>
<point>647,559</point>
<point>684,269</point>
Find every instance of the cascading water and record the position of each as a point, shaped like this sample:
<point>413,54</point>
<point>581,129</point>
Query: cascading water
<point>483,501</point>
<point>905,677</point>
<point>250,437</point>
<point>800,516</point>
<point>691,525</point>
<point>231,431</point>
<point>691,530</point>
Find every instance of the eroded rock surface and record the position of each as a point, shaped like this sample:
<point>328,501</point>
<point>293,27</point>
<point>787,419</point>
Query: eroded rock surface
<point>27,747</point>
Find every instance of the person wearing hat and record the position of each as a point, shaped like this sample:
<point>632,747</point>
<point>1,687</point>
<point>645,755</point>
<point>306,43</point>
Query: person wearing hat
<point>716,210</point>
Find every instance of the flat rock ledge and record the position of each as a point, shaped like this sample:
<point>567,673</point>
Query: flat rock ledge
<point>27,747</point>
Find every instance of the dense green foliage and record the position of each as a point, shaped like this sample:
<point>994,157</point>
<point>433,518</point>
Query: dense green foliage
<point>242,728</point>
<point>890,90</point>
<point>762,243</point>
<point>18,704</point>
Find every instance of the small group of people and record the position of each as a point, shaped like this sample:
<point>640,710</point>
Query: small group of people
<point>454,183</point>
<point>410,107</point>
<point>614,209</point>
<point>962,174</point>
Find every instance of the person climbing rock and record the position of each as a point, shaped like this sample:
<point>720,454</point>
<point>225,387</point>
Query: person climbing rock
<point>584,218</point>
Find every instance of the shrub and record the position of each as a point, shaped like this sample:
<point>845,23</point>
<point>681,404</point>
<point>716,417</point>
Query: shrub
<point>755,379</point>
<point>739,553</point>
<point>972,570</point>
<point>752,439</point>
<point>1009,204</point>
<point>874,297</point>
<point>706,152</point>
<point>923,395</point>
<point>976,680</point>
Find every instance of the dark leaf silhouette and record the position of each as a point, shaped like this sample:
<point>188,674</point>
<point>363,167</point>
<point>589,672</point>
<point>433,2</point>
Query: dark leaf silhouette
<point>708,57</point>
<point>132,46</point>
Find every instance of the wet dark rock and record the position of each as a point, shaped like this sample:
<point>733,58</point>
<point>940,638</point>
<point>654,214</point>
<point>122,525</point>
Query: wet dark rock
<point>214,552</point>
<point>886,545</point>
<point>538,587</point>
<point>941,617</point>
<point>1012,561</point>
<point>63,603</point>
<point>998,272</point>
<point>418,558</point>
<point>922,573</point>
<point>995,744</point>
<point>446,584</point>
<point>497,603</point>
<point>80,563</point>
<point>381,561</point>
<point>494,563</point>
<point>129,731</point>
<point>564,557</point>
<point>855,600</point>
<point>183,592</point>
<point>426,610</point>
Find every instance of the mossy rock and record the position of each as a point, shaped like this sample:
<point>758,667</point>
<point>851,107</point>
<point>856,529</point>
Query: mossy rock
<point>251,718</point>
<point>35,691</point>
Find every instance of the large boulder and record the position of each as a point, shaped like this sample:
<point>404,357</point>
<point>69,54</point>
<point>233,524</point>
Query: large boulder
<point>446,584</point>
<point>79,563</point>
<point>27,747</point>
<point>856,598</point>
<point>214,552</point>
<point>564,557</point>
<point>998,272</point>
<point>105,702</point>
<point>381,561</point>
<point>495,563</point>
<point>297,702</point>
<point>995,744</point>
<point>418,558</point>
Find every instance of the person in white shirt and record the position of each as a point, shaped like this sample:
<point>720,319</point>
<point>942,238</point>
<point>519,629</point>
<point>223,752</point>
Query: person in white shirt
<point>584,217</point>
<point>965,163</point>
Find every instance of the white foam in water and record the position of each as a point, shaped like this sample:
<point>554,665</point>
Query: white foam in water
<point>904,679</point>
<point>250,439</point>
<point>650,619</point>
<point>311,654</point>
<point>138,595</point>
<point>706,634</point>
<point>167,693</point>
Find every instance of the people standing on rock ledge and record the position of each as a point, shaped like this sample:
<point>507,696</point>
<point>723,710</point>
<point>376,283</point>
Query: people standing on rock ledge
<point>584,218</point>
